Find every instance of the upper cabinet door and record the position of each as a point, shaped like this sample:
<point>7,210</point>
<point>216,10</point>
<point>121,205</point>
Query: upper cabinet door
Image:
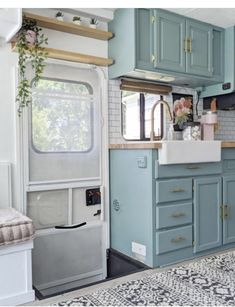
<point>199,47</point>
<point>144,39</point>
<point>169,41</point>
<point>229,209</point>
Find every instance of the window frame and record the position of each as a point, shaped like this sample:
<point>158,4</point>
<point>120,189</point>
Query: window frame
<point>142,118</point>
<point>34,148</point>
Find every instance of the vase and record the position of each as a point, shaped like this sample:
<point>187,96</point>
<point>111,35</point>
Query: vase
<point>30,37</point>
<point>77,22</point>
<point>92,26</point>
<point>177,128</point>
<point>60,18</point>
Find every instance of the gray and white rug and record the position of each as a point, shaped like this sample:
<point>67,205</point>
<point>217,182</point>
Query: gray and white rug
<point>209,281</point>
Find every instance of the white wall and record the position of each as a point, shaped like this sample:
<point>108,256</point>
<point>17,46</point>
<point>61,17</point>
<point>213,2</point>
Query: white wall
<point>8,64</point>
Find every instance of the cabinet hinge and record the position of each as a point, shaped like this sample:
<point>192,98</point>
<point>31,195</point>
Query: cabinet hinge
<point>154,58</point>
<point>193,243</point>
<point>153,19</point>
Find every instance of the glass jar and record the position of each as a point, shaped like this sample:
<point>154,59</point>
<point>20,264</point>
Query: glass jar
<point>192,131</point>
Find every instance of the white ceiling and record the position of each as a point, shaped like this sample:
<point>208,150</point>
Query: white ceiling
<point>222,17</point>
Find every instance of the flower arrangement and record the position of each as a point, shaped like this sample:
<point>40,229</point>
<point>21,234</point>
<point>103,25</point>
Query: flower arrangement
<point>182,111</point>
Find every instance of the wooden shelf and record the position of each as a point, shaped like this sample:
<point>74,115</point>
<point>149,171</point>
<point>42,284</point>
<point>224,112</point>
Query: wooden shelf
<point>67,27</point>
<point>74,57</point>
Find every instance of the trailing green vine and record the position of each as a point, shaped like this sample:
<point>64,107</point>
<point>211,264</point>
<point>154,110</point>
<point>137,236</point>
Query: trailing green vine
<point>30,46</point>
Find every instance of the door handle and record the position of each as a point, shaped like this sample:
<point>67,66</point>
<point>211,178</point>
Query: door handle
<point>70,226</point>
<point>185,45</point>
<point>178,239</point>
<point>190,45</point>
<point>192,167</point>
<point>177,190</point>
<point>178,214</point>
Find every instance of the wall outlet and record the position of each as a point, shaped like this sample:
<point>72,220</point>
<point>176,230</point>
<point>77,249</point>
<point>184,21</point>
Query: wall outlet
<point>142,162</point>
<point>138,248</point>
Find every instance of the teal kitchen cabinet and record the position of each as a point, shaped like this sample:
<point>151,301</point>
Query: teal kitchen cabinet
<point>131,203</point>
<point>169,41</point>
<point>159,45</point>
<point>162,214</point>
<point>199,52</point>
<point>228,209</point>
<point>228,158</point>
<point>182,45</point>
<point>207,213</point>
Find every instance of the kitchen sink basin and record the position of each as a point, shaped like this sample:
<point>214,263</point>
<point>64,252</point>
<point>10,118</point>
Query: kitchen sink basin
<point>180,152</point>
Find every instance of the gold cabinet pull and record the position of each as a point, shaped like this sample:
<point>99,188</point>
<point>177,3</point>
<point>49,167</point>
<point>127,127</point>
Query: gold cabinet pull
<point>185,45</point>
<point>190,45</point>
<point>192,167</point>
<point>178,239</point>
<point>222,212</point>
<point>178,214</point>
<point>226,211</point>
<point>177,190</point>
<point>153,59</point>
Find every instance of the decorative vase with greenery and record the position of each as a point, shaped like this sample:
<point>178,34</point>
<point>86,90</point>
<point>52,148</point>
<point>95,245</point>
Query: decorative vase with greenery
<point>30,46</point>
<point>77,20</point>
<point>93,23</point>
<point>59,16</point>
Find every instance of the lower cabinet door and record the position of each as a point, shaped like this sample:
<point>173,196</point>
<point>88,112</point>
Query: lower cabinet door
<point>228,209</point>
<point>207,213</point>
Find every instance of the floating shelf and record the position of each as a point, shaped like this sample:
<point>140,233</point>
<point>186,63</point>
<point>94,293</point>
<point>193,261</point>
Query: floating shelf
<point>67,27</point>
<point>74,56</point>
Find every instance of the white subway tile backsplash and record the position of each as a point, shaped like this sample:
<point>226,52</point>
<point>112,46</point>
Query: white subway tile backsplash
<point>226,119</point>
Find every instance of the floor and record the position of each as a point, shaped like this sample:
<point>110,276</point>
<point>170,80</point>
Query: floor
<point>108,284</point>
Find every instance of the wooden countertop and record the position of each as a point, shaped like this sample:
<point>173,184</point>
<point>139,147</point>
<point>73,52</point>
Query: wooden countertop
<point>157,145</point>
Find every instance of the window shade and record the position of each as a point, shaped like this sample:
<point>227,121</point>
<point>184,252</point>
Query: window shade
<point>145,87</point>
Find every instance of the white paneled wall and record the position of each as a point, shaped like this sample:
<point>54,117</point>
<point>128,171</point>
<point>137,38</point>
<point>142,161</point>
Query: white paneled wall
<point>226,128</point>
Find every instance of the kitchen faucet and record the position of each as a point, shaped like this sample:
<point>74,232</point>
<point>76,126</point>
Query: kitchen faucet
<point>161,101</point>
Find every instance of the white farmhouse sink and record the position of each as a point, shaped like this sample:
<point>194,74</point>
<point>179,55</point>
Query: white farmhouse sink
<point>175,152</point>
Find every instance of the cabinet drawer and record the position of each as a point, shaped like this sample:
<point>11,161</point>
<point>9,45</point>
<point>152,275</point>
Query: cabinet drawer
<point>183,170</point>
<point>174,239</point>
<point>173,215</point>
<point>173,190</point>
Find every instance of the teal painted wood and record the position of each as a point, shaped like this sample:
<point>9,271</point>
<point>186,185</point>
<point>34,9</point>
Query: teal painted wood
<point>122,46</point>
<point>132,199</point>
<point>229,66</point>
<point>229,201</point>
<point>173,239</point>
<point>169,35</point>
<point>199,59</point>
<point>218,54</point>
<point>144,39</point>
<point>173,190</point>
<point>228,158</point>
<point>186,170</point>
<point>173,215</point>
<point>207,220</point>
<point>180,255</point>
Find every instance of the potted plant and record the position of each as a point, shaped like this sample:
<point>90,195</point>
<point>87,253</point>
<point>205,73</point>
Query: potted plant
<point>93,23</point>
<point>30,46</point>
<point>59,16</point>
<point>77,20</point>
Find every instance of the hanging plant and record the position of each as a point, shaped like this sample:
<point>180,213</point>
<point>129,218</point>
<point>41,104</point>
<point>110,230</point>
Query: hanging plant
<point>30,46</point>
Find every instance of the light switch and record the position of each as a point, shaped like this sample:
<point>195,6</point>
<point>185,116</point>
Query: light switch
<point>142,162</point>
